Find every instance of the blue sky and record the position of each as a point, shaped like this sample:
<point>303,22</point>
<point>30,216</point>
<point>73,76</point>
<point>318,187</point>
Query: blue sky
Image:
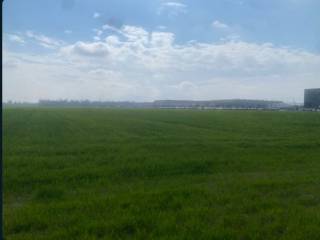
<point>237,43</point>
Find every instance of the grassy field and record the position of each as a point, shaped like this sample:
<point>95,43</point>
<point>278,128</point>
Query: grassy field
<point>161,174</point>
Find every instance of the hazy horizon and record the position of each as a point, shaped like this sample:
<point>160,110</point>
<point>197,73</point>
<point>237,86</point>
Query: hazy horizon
<point>143,51</point>
<point>151,101</point>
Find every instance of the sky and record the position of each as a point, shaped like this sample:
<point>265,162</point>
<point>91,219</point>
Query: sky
<point>145,50</point>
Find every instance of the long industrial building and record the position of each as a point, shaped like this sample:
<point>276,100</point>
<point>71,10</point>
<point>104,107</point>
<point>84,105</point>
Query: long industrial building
<point>312,98</point>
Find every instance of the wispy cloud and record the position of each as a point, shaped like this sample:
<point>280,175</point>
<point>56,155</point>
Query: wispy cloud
<point>161,27</point>
<point>98,32</point>
<point>67,31</point>
<point>111,28</point>
<point>174,4</point>
<point>96,15</point>
<point>43,40</point>
<point>96,38</point>
<point>229,33</point>
<point>16,38</point>
<point>220,25</point>
<point>172,8</point>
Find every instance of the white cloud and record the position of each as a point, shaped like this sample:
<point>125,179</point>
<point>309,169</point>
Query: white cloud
<point>172,9</point>
<point>161,39</point>
<point>16,38</point>
<point>135,34</point>
<point>108,27</point>
<point>96,38</point>
<point>142,65</point>
<point>220,25</point>
<point>174,4</point>
<point>98,32</point>
<point>94,49</point>
<point>112,40</point>
<point>44,41</point>
<point>96,15</point>
<point>230,33</point>
<point>161,27</point>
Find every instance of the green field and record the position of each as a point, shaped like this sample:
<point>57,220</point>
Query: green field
<point>161,174</point>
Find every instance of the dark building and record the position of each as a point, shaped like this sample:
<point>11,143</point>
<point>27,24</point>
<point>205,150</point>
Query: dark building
<point>312,98</point>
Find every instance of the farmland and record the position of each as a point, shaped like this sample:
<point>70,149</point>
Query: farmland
<point>161,174</point>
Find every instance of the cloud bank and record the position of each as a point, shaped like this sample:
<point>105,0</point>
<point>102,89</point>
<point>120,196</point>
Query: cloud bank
<point>134,64</point>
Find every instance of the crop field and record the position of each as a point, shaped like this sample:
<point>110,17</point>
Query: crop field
<point>161,174</point>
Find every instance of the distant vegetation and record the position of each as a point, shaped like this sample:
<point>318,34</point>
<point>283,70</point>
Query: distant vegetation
<point>229,104</point>
<point>160,174</point>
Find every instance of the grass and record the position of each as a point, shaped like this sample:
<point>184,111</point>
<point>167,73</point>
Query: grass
<point>161,174</point>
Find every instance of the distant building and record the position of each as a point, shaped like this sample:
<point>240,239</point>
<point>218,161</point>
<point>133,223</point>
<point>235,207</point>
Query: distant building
<point>312,98</point>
